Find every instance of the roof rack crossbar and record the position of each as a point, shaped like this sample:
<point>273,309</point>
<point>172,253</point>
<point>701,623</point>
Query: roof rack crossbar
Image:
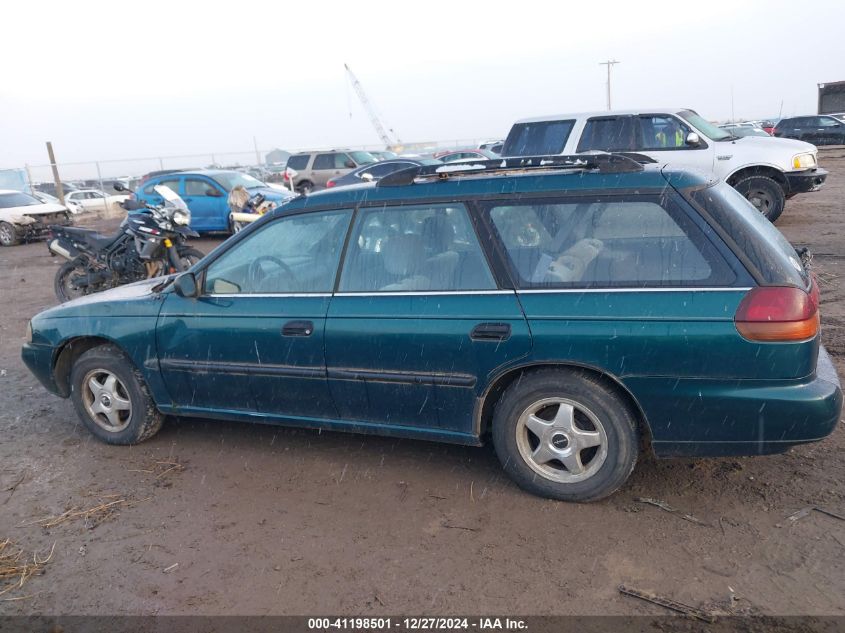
<point>608,163</point>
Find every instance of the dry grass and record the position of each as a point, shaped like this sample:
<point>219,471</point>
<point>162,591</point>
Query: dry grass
<point>93,515</point>
<point>16,568</point>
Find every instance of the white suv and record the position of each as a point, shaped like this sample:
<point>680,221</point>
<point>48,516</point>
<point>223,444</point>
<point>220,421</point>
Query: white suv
<point>767,171</point>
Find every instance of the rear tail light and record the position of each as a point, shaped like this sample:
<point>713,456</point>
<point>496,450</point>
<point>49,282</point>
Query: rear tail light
<point>330,184</point>
<point>285,177</point>
<point>772,313</point>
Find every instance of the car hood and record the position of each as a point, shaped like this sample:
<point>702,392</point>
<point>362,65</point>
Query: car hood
<point>137,299</point>
<point>765,144</point>
<point>31,210</point>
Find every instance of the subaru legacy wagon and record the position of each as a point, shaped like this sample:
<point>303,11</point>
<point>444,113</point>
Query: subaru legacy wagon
<point>575,310</point>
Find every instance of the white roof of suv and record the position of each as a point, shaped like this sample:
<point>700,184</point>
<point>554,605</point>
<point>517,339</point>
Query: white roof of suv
<point>582,115</point>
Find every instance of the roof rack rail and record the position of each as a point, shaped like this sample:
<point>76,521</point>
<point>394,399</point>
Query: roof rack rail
<point>607,163</point>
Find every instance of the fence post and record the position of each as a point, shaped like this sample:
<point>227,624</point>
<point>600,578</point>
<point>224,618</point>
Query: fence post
<point>100,178</point>
<point>161,164</point>
<point>29,178</point>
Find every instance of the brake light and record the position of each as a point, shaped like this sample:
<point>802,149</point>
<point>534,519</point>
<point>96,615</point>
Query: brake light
<point>285,177</point>
<point>770,313</point>
<point>330,184</point>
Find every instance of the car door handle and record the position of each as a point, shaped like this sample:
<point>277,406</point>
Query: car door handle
<point>298,328</point>
<point>491,332</point>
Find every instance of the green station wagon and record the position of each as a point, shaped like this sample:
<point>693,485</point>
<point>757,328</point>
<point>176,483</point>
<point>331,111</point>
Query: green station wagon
<point>576,310</point>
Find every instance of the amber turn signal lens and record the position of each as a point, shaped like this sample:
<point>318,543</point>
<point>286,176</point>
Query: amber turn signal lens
<point>774,314</point>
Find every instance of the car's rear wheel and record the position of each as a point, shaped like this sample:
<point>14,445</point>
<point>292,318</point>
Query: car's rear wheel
<point>565,435</point>
<point>765,194</point>
<point>8,235</point>
<point>111,398</point>
<point>305,187</point>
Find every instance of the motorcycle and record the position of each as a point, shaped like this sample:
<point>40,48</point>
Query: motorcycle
<point>244,209</point>
<point>150,242</point>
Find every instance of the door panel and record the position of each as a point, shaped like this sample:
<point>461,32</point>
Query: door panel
<point>409,360</point>
<point>208,213</point>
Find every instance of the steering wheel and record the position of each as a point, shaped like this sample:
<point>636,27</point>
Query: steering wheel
<point>257,277</point>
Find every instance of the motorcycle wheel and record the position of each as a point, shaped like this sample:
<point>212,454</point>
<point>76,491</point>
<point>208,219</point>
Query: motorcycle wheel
<point>190,256</point>
<point>63,283</point>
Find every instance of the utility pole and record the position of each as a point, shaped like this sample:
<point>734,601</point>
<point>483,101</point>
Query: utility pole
<point>60,194</point>
<point>257,153</point>
<point>733,116</point>
<point>609,63</point>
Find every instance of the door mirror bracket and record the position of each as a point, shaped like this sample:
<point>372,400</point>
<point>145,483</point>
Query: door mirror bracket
<point>185,286</point>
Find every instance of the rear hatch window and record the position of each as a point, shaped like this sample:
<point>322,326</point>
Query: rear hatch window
<point>538,139</point>
<point>775,261</point>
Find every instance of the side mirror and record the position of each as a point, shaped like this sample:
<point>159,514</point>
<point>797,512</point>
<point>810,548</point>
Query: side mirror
<point>186,286</point>
<point>693,139</point>
<point>119,187</point>
<point>214,193</point>
<point>368,177</point>
<point>351,164</point>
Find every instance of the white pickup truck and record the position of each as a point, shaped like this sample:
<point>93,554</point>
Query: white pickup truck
<point>767,171</point>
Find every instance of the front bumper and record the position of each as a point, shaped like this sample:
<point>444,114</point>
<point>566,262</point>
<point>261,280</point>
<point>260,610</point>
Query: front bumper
<point>41,226</point>
<point>807,180</point>
<point>713,418</point>
<point>39,360</point>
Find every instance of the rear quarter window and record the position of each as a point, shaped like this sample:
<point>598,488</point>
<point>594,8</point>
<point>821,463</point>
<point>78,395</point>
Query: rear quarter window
<point>298,162</point>
<point>634,242</point>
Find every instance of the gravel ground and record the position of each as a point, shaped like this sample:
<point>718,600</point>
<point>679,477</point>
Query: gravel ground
<point>211,517</point>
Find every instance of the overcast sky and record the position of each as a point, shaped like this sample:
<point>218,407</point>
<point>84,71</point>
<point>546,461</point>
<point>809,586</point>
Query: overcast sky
<point>117,79</point>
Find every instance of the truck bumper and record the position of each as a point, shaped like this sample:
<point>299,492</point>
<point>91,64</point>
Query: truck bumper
<point>807,180</point>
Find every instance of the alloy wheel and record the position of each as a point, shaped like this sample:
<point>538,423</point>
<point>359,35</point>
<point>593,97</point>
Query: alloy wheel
<point>561,440</point>
<point>106,400</point>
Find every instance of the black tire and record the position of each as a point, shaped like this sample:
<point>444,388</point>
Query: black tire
<point>190,256</point>
<point>767,196</point>
<point>236,227</point>
<point>305,187</point>
<point>139,423</point>
<point>599,414</point>
<point>8,235</point>
<point>62,282</point>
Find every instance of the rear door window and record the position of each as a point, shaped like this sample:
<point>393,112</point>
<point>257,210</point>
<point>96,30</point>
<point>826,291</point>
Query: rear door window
<point>608,134</point>
<point>324,161</point>
<point>538,139</point>
<point>641,241</point>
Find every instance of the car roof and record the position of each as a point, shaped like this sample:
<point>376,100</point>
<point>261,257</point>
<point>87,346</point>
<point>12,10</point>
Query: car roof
<point>2,191</point>
<point>601,113</point>
<point>653,177</point>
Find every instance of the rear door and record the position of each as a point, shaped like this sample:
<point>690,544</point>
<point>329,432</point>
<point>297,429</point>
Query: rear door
<point>325,167</point>
<point>418,323</point>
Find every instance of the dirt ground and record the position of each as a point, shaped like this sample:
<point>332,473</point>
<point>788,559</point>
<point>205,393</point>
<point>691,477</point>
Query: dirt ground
<point>211,517</point>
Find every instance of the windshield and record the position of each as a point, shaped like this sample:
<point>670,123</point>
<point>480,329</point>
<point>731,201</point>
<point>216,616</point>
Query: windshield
<point>10,200</point>
<point>171,198</point>
<point>231,179</point>
<point>363,158</point>
<point>705,127</point>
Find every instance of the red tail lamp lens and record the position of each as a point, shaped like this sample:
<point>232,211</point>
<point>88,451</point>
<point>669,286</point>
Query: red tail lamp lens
<point>330,184</point>
<point>777,314</point>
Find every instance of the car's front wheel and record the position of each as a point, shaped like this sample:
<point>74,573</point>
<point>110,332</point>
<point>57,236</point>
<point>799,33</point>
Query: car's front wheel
<point>565,435</point>
<point>765,194</point>
<point>111,397</point>
<point>8,235</point>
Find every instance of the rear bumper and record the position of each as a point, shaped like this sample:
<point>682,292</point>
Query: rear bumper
<point>752,417</point>
<point>807,180</point>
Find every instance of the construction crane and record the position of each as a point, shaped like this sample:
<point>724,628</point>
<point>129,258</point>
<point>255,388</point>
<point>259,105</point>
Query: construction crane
<point>377,124</point>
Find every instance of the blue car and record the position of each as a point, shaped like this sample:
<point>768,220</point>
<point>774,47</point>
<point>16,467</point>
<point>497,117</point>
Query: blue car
<point>206,192</point>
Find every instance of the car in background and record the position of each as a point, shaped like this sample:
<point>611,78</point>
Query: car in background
<point>450,156</point>
<point>580,311</point>
<point>822,129</point>
<point>206,192</point>
<point>377,171</point>
<point>383,154</point>
<point>765,171</point>
<point>93,201</point>
<point>741,131</point>
<point>50,188</point>
<point>313,170</point>
<point>24,217</point>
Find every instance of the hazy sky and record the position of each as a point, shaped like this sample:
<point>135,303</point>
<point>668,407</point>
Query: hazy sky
<point>108,80</point>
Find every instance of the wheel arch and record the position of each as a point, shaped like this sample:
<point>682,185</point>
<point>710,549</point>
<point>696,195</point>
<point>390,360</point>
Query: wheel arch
<point>492,394</point>
<point>768,171</point>
<point>70,351</point>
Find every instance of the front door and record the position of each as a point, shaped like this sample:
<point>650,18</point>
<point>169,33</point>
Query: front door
<point>253,341</point>
<point>418,323</point>
<point>207,202</point>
